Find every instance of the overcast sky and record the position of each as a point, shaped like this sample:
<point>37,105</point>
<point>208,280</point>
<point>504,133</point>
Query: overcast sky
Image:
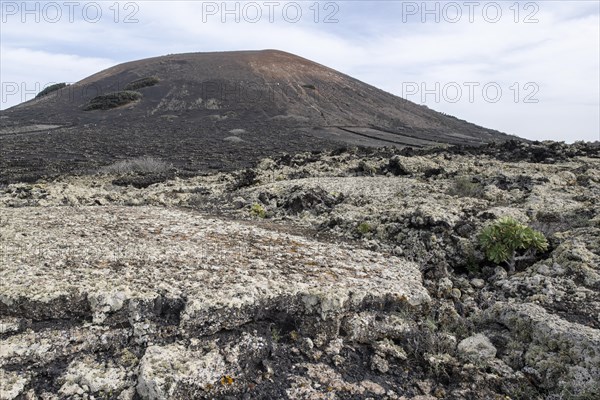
<point>525,68</point>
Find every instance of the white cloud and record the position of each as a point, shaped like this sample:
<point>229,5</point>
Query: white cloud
<point>29,71</point>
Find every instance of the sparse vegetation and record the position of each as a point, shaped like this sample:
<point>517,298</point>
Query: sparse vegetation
<point>50,89</point>
<point>142,83</point>
<point>503,240</point>
<point>466,187</point>
<point>112,100</point>
<point>276,335</point>
<point>363,228</point>
<point>137,165</point>
<point>258,211</point>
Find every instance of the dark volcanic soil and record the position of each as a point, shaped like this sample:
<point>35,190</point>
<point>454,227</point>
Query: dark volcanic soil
<point>215,111</point>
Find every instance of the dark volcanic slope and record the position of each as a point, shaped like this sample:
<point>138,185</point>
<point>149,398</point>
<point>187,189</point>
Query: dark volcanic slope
<point>216,110</point>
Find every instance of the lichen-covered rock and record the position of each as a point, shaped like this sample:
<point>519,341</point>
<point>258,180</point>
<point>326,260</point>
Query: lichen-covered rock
<point>323,382</point>
<point>169,371</point>
<point>387,348</point>
<point>48,346</point>
<point>477,349</point>
<point>10,325</point>
<point>313,199</point>
<point>129,303</point>
<point>364,279</point>
<point>380,364</point>
<point>366,327</point>
<point>226,273</point>
<point>12,384</point>
<point>91,377</point>
<point>564,356</point>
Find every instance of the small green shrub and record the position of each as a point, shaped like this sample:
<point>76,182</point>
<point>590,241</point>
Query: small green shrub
<point>509,241</point>
<point>364,228</point>
<point>142,83</point>
<point>112,100</point>
<point>258,211</point>
<point>50,89</point>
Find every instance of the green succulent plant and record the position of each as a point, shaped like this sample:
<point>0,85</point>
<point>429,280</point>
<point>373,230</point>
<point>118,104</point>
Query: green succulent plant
<point>508,241</point>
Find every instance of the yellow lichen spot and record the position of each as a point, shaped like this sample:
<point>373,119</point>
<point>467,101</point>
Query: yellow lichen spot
<point>226,380</point>
<point>329,389</point>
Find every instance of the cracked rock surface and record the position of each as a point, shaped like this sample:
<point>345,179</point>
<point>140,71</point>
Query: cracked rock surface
<point>349,274</point>
<point>148,280</point>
